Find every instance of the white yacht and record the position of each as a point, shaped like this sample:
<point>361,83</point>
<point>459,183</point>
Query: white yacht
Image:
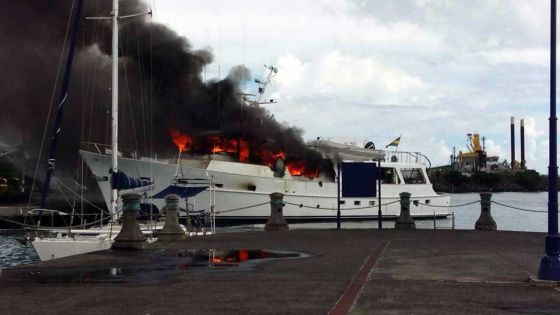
<point>241,190</point>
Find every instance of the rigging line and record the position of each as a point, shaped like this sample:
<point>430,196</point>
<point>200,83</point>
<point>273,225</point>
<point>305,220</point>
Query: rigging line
<point>142,96</point>
<point>82,133</point>
<point>151,78</point>
<point>95,39</point>
<point>64,196</point>
<point>51,103</point>
<point>89,202</point>
<point>127,87</point>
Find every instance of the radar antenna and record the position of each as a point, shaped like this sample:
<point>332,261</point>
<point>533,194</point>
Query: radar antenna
<point>262,84</point>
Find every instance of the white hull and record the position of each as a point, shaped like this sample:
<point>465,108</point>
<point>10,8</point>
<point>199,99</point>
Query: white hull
<point>55,248</point>
<point>89,240</point>
<point>240,185</point>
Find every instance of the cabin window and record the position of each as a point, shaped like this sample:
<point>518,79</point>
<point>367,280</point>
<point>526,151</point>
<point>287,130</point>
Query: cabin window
<point>389,175</point>
<point>357,203</point>
<point>413,176</point>
<point>372,202</point>
<point>342,202</point>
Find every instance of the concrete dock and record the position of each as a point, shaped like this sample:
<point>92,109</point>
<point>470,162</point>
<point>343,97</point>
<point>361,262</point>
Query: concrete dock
<point>347,271</point>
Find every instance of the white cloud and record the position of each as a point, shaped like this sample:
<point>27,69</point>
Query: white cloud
<point>534,56</point>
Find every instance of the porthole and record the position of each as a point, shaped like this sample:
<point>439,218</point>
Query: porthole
<point>357,203</point>
<point>372,202</point>
<point>342,202</point>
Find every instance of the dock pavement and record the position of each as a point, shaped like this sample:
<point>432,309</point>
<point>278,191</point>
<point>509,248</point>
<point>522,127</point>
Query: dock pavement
<point>343,272</point>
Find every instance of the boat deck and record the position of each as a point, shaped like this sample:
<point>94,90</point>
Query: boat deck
<point>364,271</point>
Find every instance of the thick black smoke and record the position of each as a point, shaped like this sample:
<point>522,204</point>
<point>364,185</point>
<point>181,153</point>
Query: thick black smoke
<point>160,84</point>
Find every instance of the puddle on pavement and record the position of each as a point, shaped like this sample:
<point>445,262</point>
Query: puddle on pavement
<point>157,267</point>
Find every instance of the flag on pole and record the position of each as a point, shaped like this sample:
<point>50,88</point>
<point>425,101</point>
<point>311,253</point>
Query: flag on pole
<point>394,143</point>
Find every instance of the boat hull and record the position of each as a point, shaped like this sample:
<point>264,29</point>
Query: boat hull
<point>55,248</point>
<point>242,191</point>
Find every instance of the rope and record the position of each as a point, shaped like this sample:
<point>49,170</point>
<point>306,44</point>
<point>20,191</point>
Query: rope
<point>520,209</point>
<point>242,208</point>
<point>478,201</point>
<point>347,209</point>
<point>450,206</point>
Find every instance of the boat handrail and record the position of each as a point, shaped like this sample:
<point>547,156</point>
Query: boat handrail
<point>103,148</point>
<point>408,157</point>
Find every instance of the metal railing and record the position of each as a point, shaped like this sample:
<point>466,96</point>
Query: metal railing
<point>408,157</point>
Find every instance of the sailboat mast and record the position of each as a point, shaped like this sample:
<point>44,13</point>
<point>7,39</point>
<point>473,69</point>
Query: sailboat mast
<point>60,110</point>
<point>115,108</point>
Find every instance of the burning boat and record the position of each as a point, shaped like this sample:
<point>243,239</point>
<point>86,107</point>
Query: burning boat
<point>241,189</point>
<point>241,172</point>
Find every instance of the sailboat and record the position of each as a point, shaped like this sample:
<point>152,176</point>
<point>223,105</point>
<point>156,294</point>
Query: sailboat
<point>70,241</point>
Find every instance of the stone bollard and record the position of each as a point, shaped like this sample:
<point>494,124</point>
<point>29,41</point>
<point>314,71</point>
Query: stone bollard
<point>405,221</point>
<point>130,236</point>
<point>485,222</point>
<point>172,230</point>
<point>276,222</point>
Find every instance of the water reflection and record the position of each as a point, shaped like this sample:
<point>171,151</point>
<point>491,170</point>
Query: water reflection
<point>160,265</point>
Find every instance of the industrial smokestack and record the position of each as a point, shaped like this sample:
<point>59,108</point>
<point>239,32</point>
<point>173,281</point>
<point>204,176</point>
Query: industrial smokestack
<point>522,123</point>
<point>512,128</point>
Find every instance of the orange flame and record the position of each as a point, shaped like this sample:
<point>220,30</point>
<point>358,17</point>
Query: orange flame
<point>231,146</point>
<point>241,147</point>
<point>181,140</point>
<point>268,157</point>
<point>300,169</point>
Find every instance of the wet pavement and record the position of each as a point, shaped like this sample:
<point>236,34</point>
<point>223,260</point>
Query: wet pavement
<point>155,266</point>
<point>307,271</point>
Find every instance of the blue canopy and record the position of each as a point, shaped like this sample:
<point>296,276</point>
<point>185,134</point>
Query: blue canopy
<point>181,191</point>
<point>122,181</point>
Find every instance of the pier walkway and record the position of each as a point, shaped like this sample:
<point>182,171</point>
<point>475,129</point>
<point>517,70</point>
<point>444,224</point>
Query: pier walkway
<point>348,271</point>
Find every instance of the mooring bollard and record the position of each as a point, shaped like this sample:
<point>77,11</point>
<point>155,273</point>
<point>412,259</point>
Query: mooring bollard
<point>130,236</point>
<point>485,222</point>
<point>276,222</point>
<point>172,230</point>
<point>405,221</point>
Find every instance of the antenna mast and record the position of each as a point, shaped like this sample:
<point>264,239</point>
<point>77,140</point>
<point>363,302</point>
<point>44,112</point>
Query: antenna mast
<point>272,71</point>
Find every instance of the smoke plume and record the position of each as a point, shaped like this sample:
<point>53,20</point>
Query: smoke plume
<point>160,87</point>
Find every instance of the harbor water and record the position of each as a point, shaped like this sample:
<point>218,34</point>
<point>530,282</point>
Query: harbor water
<point>13,253</point>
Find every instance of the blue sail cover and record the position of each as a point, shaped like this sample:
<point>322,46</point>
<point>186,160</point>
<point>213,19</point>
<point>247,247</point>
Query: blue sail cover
<point>121,181</point>
<point>181,191</point>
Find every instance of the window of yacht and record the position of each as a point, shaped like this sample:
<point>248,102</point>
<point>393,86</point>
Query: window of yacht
<point>413,176</point>
<point>389,175</point>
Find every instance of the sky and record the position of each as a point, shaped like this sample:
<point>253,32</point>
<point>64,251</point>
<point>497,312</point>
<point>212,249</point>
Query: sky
<point>350,70</point>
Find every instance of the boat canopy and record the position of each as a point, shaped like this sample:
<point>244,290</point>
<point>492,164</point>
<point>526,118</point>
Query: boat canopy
<point>181,191</point>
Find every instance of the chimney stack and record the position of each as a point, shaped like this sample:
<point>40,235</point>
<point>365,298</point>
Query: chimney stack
<point>512,127</point>
<point>522,123</point>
